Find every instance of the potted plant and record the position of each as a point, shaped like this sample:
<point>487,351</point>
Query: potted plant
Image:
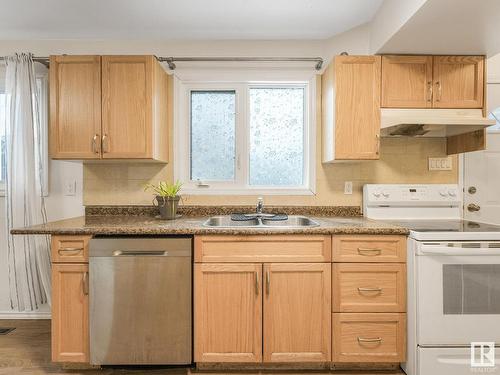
<point>167,198</point>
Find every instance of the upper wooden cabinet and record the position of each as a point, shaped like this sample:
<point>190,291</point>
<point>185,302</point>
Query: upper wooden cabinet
<point>432,81</point>
<point>407,81</point>
<point>127,120</point>
<point>75,107</point>
<point>351,108</point>
<point>458,81</point>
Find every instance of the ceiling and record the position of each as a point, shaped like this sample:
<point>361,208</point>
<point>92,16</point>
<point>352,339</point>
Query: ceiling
<point>181,19</point>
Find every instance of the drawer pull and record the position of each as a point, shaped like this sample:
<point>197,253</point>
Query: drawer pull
<point>370,289</point>
<point>69,250</point>
<point>369,252</point>
<point>257,286</point>
<point>371,339</point>
<point>268,282</point>
<point>86,283</point>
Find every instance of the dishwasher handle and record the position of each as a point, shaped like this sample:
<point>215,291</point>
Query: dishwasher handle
<point>132,253</point>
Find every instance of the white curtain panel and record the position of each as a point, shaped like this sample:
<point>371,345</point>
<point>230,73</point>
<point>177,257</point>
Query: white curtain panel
<point>28,256</point>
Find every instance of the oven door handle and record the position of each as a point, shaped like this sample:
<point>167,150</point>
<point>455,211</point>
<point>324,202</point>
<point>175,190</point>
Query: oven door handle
<point>458,251</point>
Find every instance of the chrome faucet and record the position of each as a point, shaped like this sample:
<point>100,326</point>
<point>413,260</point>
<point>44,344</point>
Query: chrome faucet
<point>260,206</point>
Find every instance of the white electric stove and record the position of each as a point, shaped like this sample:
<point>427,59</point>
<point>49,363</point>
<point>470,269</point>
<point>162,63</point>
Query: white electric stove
<point>453,270</point>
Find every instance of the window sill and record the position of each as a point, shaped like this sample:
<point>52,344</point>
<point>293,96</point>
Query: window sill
<point>219,191</point>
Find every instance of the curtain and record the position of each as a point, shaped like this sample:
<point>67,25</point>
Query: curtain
<point>28,256</point>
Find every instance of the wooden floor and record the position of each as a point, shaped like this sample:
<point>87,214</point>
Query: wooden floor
<point>27,351</point>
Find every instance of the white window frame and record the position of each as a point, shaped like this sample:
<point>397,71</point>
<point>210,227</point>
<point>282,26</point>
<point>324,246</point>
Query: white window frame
<point>240,186</point>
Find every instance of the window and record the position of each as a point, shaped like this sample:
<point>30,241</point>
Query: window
<point>245,138</point>
<point>41,137</point>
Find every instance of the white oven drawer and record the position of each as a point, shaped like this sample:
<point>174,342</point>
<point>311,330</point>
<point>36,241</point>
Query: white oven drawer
<point>452,361</point>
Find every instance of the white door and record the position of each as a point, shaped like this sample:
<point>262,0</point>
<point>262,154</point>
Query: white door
<point>482,170</point>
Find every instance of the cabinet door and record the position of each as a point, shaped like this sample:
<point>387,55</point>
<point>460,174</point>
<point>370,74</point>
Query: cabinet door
<point>127,92</point>
<point>228,312</point>
<point>357,107</point>
<point>407,81</point>
<point>297,308</point>
<point>458,81</point>
<point>70,305</point>
<point>75,107</point>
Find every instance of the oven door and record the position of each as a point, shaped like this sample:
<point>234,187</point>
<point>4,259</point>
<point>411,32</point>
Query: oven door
<point>458,293</point>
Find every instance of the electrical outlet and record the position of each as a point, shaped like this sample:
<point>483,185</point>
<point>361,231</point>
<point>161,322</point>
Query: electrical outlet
<point>348,187</point>
<point>70,187</point>
<point>440,164</point>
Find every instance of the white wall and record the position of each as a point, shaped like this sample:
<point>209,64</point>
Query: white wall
<point>444,27</point>
<point>389,19</point>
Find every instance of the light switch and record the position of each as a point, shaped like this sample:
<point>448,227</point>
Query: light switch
<point>440,164</point>
<point>348,187</point>
<point>70,187</point>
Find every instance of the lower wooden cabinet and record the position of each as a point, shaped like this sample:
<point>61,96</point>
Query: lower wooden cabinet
<point>297,312</point>
<point>70,309</point>
<point>228,312</point>
<point>369,337</point>
<point>272,312</point>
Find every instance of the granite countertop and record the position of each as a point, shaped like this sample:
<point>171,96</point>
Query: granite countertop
<point>116,222</point>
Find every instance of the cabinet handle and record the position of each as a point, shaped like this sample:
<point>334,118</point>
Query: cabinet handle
<point>69,250</point>
<point>268,282</point>
<point>377,140</point>
<point>370,289</point>
<point>438,98</point>
<point>369,252</point>
<point>257,286</point>
<point>86,283</point>
<point>429,91</point>
<point>105,143</point>
<point>372,339</point>
<point>95,147</point>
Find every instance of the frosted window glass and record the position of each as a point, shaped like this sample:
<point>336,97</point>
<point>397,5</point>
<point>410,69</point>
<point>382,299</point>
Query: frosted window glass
<point>213,135</point>
<point>277,136</point>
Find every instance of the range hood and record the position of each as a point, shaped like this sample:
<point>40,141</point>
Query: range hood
<point>398,122</point>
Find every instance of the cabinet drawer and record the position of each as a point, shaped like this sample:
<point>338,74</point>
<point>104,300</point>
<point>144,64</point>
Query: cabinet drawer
<point>261,249</point>
<point>369,337</point>
<point>369,249</point>
<point>70,249</point>
<point>362,287</point>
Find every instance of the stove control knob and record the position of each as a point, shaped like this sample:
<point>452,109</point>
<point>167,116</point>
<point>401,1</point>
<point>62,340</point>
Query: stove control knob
<point>376,194</point>
<point>385,193</point>
<point>443,193</point>
<point>452,193</point>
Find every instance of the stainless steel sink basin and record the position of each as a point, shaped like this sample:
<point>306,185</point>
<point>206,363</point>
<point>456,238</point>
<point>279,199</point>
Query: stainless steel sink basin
<point>292,222</point>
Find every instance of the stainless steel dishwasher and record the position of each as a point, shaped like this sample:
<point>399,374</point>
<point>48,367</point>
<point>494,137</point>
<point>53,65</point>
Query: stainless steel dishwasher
<point>140,301</point>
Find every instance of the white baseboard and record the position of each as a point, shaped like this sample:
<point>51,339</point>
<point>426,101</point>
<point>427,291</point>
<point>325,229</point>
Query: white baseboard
<point>10,314</point>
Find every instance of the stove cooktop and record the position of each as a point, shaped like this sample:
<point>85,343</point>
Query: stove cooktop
<point>459,230</point>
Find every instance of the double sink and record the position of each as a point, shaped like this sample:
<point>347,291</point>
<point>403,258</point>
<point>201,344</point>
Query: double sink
<point>293,221</point>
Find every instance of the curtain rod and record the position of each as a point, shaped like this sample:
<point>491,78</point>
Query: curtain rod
<point>41,59</point>
<point>171,60</point>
